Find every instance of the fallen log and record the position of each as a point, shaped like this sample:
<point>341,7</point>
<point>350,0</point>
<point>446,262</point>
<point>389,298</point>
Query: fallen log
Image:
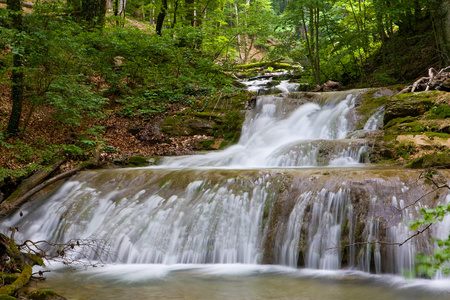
<point>17,199</point>
<point>35,179</point>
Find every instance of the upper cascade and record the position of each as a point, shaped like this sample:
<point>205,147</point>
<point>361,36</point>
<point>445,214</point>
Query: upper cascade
<point>281,131</point>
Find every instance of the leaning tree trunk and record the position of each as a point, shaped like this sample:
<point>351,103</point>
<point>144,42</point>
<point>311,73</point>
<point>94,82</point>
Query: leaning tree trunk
<point>17,73</point>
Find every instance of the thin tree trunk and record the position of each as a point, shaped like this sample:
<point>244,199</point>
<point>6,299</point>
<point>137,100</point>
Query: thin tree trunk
<point>175,14</point>
<point>190,12</point>
<point>160,18</point>
<point>317,47</point>
<point>17,86</point>
<point>238,36</point>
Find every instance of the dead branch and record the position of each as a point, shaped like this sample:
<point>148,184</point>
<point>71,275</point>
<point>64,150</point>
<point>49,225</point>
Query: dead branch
<point>16,261</point>
<point>416,83</point>
<point>435,80</point>
<point>72,252</point>
<point>416,234</point>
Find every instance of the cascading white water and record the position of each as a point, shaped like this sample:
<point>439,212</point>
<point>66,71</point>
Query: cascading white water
<point>325,231</point>
<point>206,215</point>
<point>205,223</point>
<point>375,121</point>
<point>272,137</point>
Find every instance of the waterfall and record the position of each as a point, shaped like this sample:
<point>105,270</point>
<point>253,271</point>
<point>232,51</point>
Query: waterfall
<point>375,121</point>
<point>277,135</point>
<point>291,217</point>
<point>251,203</point>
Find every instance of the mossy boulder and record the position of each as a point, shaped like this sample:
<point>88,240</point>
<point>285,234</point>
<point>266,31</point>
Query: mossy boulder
<point>218,118</point>
<point>188,125</point>
<point>431,160</point>
<point>137,161</point>
<point>409,105</point>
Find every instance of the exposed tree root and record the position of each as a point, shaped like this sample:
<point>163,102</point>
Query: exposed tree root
<point>435,81</point>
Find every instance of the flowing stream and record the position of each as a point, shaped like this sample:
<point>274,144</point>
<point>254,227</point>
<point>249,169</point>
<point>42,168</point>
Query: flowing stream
<point>293,211</point>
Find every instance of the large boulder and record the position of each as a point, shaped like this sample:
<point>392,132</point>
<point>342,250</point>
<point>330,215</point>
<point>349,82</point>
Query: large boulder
<point>407,105</point>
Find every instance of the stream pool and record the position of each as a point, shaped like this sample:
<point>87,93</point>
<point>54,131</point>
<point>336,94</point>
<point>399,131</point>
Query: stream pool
<point>236,281</point>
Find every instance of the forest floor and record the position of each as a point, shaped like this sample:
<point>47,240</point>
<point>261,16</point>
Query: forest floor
<point>43,130</point>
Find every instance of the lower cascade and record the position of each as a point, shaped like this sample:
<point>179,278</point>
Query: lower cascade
<point>314,218</point>
<point>295,191</point>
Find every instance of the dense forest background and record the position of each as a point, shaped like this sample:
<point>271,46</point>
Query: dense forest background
<point>94,75</point>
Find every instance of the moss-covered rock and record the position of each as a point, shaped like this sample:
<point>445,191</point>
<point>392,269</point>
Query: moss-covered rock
<point>218,118</point>
<point>409,104</point>
<point>137,161</point>
<point>431,160</point>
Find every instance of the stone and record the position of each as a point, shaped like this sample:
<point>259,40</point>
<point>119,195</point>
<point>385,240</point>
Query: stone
<point>328,86</point>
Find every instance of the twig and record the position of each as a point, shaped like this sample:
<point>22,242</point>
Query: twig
<point>437,187</point>
<point>417,233</point>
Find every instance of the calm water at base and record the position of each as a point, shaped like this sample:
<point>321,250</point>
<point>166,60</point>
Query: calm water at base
<point>136,282</point>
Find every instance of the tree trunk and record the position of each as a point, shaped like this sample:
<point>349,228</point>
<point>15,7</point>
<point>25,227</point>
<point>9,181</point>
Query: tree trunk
<point>442,24</point>
<point>175,14</point>
<point>317,61</point>
<point>93,12</point>
<point>161,16</point>
<point>17,85</point>
<point>190,14</point>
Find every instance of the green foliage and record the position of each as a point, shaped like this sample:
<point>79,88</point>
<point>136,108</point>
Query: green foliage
<point>351,36</point>
<point>73,70</point>
<point>428,265</point>
<point>109,149</point>
<point>23,152</point>
<point>72,100</point>
<point>405,150</point>
<point>72,152</point>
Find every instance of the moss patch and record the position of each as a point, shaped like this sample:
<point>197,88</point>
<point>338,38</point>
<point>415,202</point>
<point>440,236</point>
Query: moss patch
<point>206,144</point>
<point>431,160</point>
<point>220,117</point>
<point>137,161</point>
<point>45,294</point>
